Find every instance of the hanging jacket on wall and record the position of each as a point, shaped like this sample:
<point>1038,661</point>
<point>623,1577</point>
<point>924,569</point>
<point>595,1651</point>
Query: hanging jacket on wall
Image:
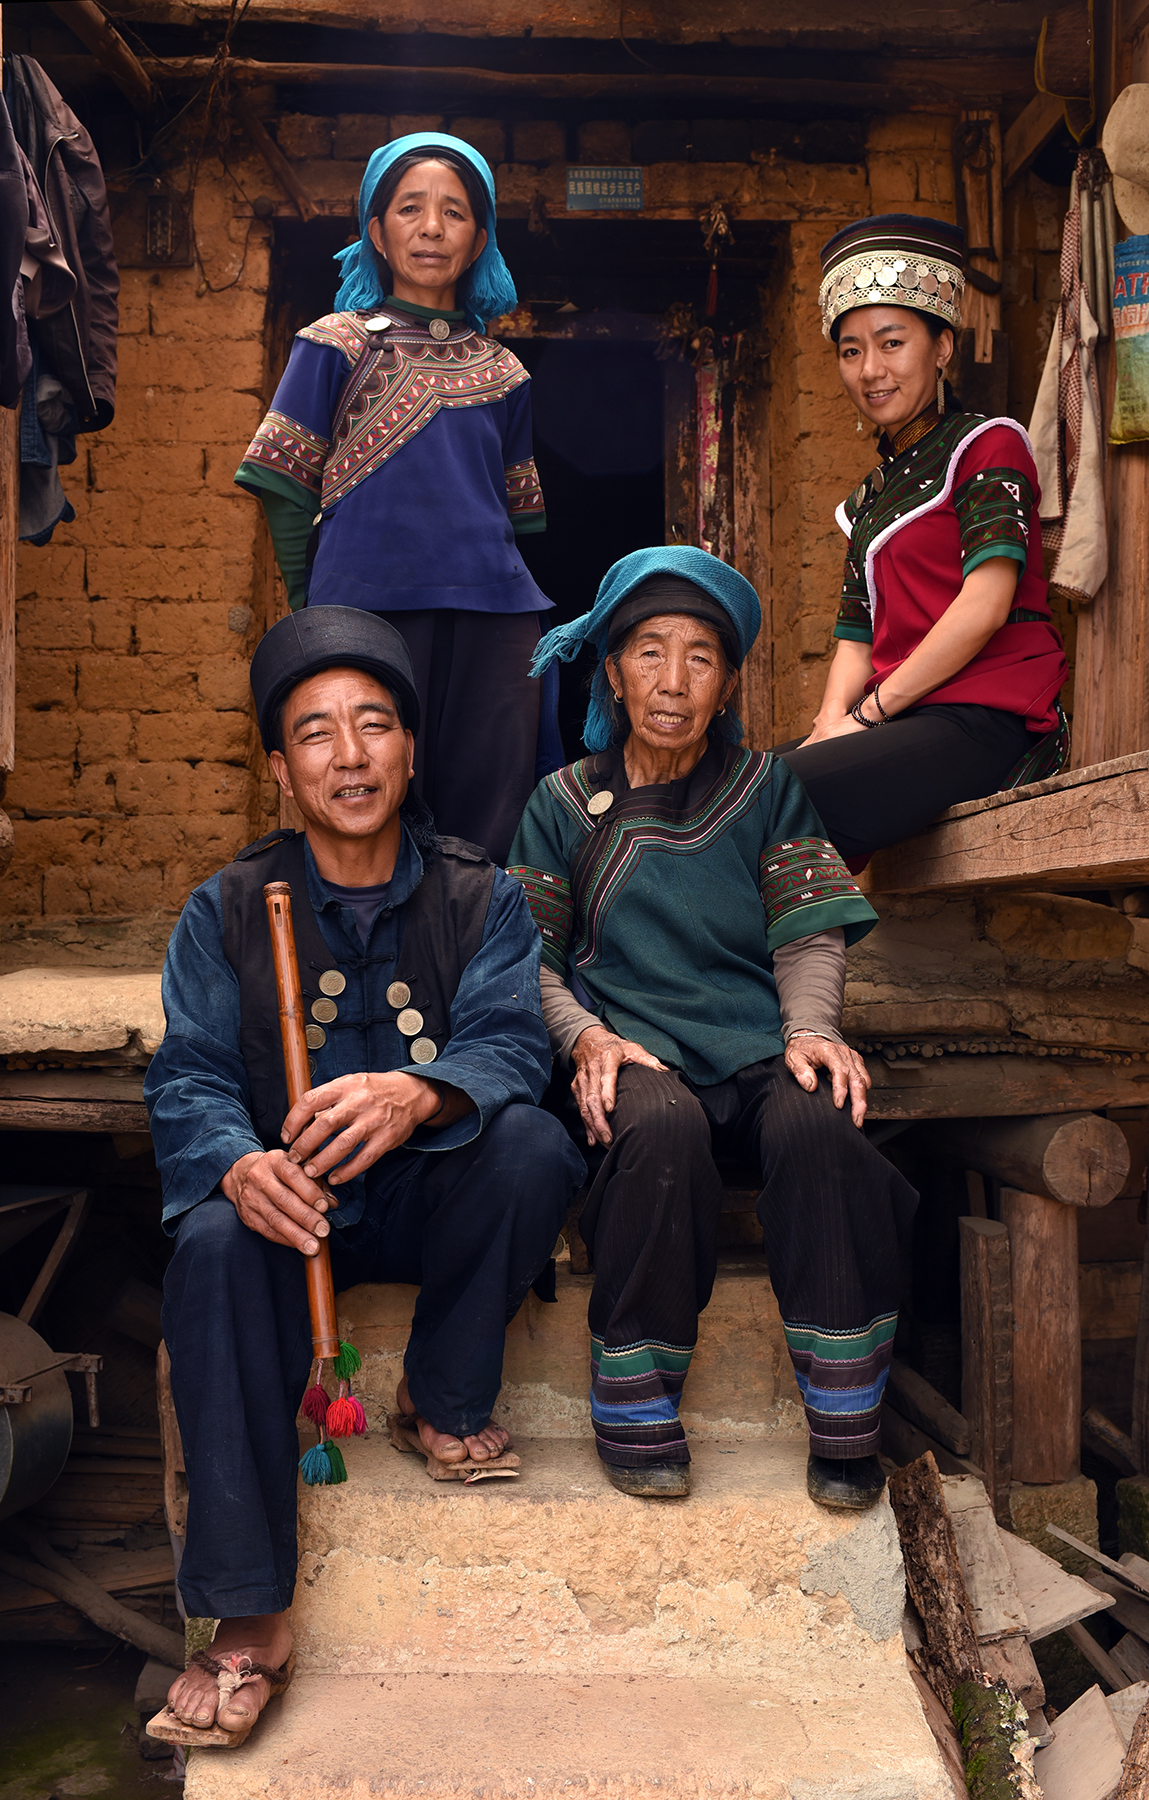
<point>15,354</point>
<point>77,342</point>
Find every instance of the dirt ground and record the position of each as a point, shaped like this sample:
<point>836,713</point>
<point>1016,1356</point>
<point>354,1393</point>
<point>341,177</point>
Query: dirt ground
<point>69,1727</point>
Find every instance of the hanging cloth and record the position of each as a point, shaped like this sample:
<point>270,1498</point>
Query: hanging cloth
<point>1066,432</point>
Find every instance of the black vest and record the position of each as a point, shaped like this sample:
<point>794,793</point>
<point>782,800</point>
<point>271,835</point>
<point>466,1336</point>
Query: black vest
<point>441,933</point>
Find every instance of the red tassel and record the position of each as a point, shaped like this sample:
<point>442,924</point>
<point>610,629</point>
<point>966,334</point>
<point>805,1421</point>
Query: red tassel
<point>314,1406</point>
<point>341,1417</point>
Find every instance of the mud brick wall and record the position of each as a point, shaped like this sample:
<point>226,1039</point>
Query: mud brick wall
<point>136,770</point>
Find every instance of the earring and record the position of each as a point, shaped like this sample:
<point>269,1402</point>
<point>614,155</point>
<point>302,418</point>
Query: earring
<point>859,428</point>
<point>941,388</point>
<point>721,710</point>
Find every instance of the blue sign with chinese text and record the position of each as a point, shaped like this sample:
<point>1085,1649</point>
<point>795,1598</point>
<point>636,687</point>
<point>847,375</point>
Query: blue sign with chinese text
<point>604,190</point>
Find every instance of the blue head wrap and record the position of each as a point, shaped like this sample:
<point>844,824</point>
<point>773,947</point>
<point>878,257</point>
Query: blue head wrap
<point>485,291</point>
<point>731,590</point>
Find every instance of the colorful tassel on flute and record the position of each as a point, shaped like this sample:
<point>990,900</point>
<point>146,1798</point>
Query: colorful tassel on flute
<point>345,1415</point>
<point>323,1464</point>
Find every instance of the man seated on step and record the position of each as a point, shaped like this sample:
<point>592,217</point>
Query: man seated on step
<point>428,1066</point>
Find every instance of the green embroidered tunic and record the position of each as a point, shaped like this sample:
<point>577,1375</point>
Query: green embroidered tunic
<point>668,904</point>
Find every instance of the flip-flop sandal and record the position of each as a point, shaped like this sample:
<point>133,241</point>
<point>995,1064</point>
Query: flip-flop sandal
<point>405,1437</point>
<point>231,1672</point>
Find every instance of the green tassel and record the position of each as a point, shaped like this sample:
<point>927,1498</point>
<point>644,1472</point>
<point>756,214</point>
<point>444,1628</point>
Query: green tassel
<point>347,1363</point>
<point>338,1466</point>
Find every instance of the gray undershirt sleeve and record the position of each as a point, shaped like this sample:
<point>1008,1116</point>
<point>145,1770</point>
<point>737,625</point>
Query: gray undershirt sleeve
<point>811,977</point>
<point>563,1017</point>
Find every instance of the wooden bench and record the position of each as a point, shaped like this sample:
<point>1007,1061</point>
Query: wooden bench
<point>1084,828</point>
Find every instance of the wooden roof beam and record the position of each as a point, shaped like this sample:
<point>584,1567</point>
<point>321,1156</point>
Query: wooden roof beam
<point>1029,134</point>
<point>118,62</point>
<point>911,87</point>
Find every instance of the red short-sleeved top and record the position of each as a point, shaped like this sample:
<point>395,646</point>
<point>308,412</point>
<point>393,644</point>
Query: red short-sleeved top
<point>917,526</point>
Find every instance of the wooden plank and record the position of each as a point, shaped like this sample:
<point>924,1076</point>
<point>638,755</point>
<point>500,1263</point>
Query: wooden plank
<point>1084,1760</point>
<point>962,1087</point>
<point>911,1394</point>
<point>1029,134</point>
<point>993,1594</point>
<point>1130,1610</point>
<point>1092,833</point>
<point>1130,1573</point>
<point>72,1115</point>
<point>1125,1705</point>
<point>1046,1337</point>
<point>1140,1428</point>
<point>944,1731</point>
<point>72,1084</point>
<point>117,1571</point>
<point>1131,1657</point>
<point>1011,1660</point>
<point>1051,1597</point>
<point>904,1443</point>
<point>987,1353</point>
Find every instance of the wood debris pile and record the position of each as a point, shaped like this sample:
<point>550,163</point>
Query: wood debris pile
<point>980,1597</point>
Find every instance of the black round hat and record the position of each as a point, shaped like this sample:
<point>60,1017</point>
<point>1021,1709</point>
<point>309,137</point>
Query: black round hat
<point>328,637</point>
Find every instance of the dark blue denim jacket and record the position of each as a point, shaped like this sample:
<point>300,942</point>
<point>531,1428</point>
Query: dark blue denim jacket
<point>196,1087</point>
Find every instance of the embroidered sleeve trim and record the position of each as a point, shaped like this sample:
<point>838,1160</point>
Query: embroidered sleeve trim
<point>993,508</point>
<point>798,874</point>
<point>288,448</point>
<point>549,898</point>
<point>524,493</point>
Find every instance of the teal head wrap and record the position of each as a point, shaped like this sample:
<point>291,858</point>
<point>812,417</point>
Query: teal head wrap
<point>731,590</point>
<point>485,291</point>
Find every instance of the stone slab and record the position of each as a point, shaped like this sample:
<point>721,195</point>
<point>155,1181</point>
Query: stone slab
<point>741,1383</point>
<point>399,1572</point>
<point>833,1732</point>
<point>81,1012</point>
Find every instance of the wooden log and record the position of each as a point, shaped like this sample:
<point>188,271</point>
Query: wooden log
<point>118,62</point>
<point>1134,1783</point>
<point>175,1473</point>
<point>1113,1442</point>
<point>273,156</point>
<point>68,1584</point>
<point>995,1743</point>
<point>1029,134</point>
<point>1084,828</point>
<point>905,1443</point>
<point>911,1394</point>
<point>1080,1158</point>
<point>987,1354</point>
<point>1046,1337</point>
<point>1140,1431</point>
<point>965,1087</point>
<point>950,1655</point>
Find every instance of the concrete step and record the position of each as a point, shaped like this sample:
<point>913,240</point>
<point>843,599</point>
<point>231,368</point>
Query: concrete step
<point>399,1572</point>
<point>740,1384</point>
<point>823,1731</point>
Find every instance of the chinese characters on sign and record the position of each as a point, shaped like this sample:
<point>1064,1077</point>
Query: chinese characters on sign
<point>604,190</point>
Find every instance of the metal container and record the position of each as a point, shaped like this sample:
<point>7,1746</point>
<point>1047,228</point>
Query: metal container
<point>36,1435</point>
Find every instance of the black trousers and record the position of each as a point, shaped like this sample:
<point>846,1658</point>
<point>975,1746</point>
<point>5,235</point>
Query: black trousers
<point>474,1226</point>
<point>835,1219</point>
<point>476,746</point>
<point>878,787</point>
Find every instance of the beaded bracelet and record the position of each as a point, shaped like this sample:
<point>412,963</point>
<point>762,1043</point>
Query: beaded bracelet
<point>857,714</point>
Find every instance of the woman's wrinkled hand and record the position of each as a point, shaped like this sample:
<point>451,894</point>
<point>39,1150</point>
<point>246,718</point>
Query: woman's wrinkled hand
<point>848,1073</point>
<point>598,1055</point>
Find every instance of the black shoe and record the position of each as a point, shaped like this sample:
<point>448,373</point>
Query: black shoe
<point>852,1482</point>
<point>658,1481</point>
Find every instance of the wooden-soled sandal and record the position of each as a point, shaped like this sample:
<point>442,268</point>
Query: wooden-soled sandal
<point>231,1672</point>
<point>405,1437</point>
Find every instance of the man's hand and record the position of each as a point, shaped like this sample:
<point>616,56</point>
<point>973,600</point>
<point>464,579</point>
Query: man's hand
<point>806,1055</point>
<point>598,1056</point>
<point>361,1117</point>
<point>273,1196</point>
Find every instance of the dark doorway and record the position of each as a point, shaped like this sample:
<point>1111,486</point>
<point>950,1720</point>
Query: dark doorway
<point>598,420</point>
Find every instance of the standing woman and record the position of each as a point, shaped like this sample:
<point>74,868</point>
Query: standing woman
<point>396,471</point>
<point>946,679</point>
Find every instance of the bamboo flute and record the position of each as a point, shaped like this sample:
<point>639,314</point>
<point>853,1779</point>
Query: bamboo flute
<point>292,1026</point>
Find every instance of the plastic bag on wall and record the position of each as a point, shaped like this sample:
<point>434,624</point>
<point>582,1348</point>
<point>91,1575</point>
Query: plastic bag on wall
<point>1131,334</point>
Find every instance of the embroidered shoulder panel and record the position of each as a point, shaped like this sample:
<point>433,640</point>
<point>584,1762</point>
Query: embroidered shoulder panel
<point>337,331</point>
<point>288,448</point>
<point>801,872</point>
<point>612,850</point>
<point>549,898</point>
<point>907,486</point>
<point>392,395</point>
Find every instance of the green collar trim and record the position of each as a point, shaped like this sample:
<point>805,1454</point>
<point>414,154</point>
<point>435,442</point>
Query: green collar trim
<point>423,312</point>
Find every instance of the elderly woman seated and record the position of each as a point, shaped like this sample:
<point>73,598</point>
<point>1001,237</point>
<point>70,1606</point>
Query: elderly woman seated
<point>694,924</point>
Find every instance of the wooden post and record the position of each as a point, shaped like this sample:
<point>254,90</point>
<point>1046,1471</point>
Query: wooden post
<point>1046,1337</point>
<point>987,1354</point>
<point>9,526</point>
<point>1080,1159</point>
